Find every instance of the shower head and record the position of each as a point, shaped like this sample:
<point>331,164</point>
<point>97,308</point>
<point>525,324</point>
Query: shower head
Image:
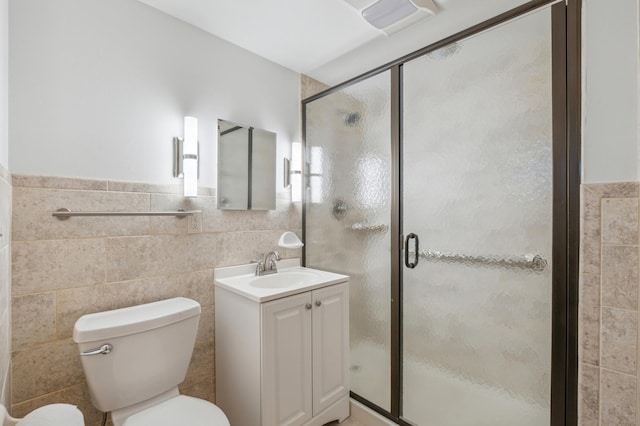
<point>352,119</point>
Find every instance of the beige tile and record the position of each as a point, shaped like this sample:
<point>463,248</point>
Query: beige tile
<point>617,399</point>
<point>5,356</point>
<point>620,276</point>
<point>33,208</point>
<point>619,340</point>
<point>206,327</point>
<point>77,395</point>
<point>613,190</point>
<point>589,290</point>
<point>202,365</point>
<point>589,335</point>
<point>590,239</point>
<point>620,221</point>
<point>34,319</point>
<point>236,248</point>
<point>74,303</point>
<point>5,279</point>
<point>310,86</point>
<point>121,186</point>
<point>31,181</point>
<point>39,370</point>
<point>205,389</point>
<point>146,256</point>
<point>589,395</point>
<point>55,264</point>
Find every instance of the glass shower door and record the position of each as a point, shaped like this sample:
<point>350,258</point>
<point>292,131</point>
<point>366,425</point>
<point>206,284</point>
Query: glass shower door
<point>348,216</point>
<point>477,218</point>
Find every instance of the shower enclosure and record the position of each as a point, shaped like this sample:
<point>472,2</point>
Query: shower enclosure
<point>438,184</point>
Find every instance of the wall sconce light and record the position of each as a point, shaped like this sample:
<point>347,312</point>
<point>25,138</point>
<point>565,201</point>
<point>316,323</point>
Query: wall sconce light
<point>293,172</point>
<point>186,157</point>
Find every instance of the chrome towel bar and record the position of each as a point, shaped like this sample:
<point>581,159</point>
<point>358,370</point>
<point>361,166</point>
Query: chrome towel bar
<point>64,214</point>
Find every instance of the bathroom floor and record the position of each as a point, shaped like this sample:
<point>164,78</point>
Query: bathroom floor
<point>348,422</point>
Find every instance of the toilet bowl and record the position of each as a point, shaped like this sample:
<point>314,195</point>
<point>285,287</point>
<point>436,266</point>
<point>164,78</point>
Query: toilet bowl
<point>135,358</point>
<point>49,415</point>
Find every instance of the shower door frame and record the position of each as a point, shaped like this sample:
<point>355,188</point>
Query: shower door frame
<point>566,100</point>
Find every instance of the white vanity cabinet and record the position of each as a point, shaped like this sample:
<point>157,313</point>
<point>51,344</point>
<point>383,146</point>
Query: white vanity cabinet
<point>283,361</point>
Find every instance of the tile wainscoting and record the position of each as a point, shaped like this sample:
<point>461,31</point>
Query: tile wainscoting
<point>608,322</point>
<point>62,269</point>
<point>5,286</point>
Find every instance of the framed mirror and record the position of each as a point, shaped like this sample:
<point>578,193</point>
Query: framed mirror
<point>246,167</point>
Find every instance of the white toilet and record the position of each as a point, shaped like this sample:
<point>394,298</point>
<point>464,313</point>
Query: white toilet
<point>135,358</point>
<point>49,415</point>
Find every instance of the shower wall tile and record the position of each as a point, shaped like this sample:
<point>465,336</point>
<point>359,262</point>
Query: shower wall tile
<point>608,322</point>
<point>620,221</point>
<point>589,335</point>
<point>620,276</point>
<point>310,86</point>
<point>65,269</point>
<point>619,335</point>
<point>617,398</point>
<point>589,388</point>
<point>5,285</point>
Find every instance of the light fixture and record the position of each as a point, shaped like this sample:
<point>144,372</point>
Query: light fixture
<point>185,159</point>
<point>293,172</point>
<point>393,15</point>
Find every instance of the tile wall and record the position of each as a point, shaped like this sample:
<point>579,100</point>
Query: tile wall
<point>609,305</point>
<point>64,269</point>
<point>5,287</point>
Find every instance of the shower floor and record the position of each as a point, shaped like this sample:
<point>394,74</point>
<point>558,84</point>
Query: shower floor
<point>443,399</point>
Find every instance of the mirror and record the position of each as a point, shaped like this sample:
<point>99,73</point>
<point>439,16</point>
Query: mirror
<point>246,167</point>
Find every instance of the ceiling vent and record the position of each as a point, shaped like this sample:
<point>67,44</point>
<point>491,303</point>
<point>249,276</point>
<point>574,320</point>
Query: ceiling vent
<point>390,16</point>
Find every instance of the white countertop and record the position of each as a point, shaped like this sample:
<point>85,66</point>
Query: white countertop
<point>242,280</point>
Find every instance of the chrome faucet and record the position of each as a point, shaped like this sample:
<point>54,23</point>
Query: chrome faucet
<point>268,265</point>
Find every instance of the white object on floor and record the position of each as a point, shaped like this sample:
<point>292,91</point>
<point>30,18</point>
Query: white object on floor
<point>49,415</point>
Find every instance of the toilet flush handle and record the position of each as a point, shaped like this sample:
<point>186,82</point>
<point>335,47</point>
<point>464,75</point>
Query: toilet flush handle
<point>102,350</point>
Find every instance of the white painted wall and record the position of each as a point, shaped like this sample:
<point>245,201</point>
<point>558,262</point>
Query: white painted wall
<point>99,88</point>
<point>610,98</point>
<point>4,83</point>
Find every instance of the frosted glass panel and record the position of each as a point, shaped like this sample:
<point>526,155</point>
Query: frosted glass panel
<point>477,175</point>
<point>348,214</point>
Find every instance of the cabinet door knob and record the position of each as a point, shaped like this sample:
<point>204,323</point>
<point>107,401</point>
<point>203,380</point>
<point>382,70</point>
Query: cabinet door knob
<point>308,306</point>
<point>318,302</point>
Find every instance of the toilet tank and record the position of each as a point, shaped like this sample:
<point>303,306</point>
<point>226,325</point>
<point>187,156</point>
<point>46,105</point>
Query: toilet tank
<point>151,350</point>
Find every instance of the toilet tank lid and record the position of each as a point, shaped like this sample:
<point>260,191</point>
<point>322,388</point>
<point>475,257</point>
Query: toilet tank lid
<point>134,319</point>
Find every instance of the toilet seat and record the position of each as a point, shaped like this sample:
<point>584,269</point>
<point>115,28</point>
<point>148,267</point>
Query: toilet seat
<point>180,410</point>
<point>54,415</point>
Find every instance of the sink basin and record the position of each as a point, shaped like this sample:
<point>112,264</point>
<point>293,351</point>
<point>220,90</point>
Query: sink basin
<point>283,280</point>
<point>290,279</point>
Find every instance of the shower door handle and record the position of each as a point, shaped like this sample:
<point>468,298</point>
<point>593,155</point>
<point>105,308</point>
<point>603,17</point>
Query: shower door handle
<point>416,252</point>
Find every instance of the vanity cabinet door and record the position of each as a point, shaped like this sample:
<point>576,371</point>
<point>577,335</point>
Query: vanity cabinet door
<point>330,345</point>
<point>286,361</point>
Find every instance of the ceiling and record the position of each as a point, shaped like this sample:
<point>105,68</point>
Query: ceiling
<point>325,39</point>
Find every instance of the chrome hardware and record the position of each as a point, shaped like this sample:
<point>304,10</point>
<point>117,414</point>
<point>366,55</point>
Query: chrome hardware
<point>308,306</point>
<point>102,350</point>
<point>416,251</point>
<point>268,265</point>
<point>318,302</point>
<point>64,213</point>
